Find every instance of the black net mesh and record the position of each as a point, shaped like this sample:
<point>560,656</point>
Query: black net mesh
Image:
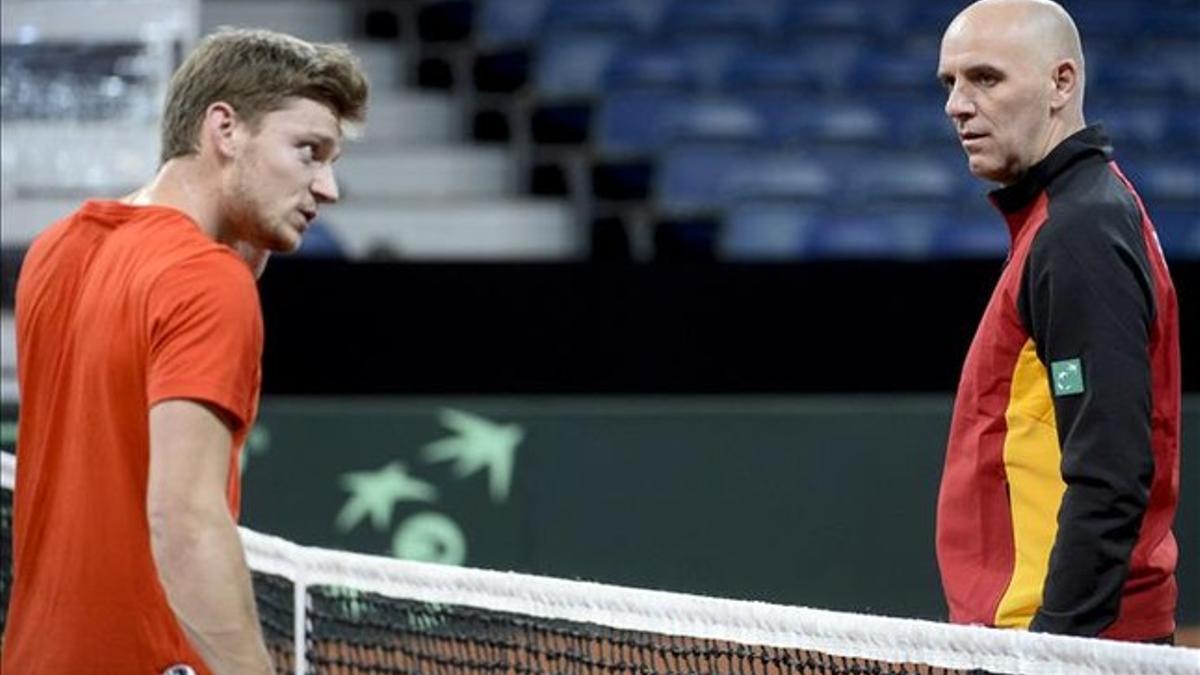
<point>275,596</point>
<point>353,632</point>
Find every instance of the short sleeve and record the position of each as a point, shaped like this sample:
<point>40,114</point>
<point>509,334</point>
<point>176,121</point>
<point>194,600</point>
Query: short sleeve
<point>205,335</point>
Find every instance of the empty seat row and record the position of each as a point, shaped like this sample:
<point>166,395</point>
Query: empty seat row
<point>1154,126</point>
<point>509,22</point>
<point>1164,181</point>
<point>758,231</point>
<point>506,22</point>
<point>761,231</point>
<point>712,176</point>
<point>587,65</point>
<point>698,178</point>
<point>644,122</point>
<point>812,128</point>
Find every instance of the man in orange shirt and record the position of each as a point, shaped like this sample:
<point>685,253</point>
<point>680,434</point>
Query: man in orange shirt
<point>139,337</point>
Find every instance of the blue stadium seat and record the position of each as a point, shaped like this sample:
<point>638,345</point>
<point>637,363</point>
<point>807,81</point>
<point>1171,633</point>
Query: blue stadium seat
<point>791,177</point>
<point>607,17</point>
<point>1120,75</point>
<point>652,68</point>
<point>1132,163</point>
<point>918,121</point>
<point>572,67</point>
<point>882,235</point>
<point>776,109</point>
<point>1179,21</point>
<point>509,23</point>
<point>1183,127</point>
<point>691,178</point>
<point>905,179</point>
<point>718,17</point>
<point>1178,231</point>
<point>1176,181</point>
<point>1133,126</point>
<point>971,235</point>
<point>794,70</point>
<point>765,231</point>
<point>715,119</point>
<point>897,70</point>
<point>710,55</point>
<point>847,17</point>
<point>817,123</point>
<point>802,65</point>
<point>648,12</point>
<point>792,117</point>
<point>928,19</point>
<point>1097,19</point>
<point>634,122</point>
<point>1188,80</point>
<point>640,123</point>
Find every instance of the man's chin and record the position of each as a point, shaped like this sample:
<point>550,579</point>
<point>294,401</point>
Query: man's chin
<point>289,246</point>
<point>287,241</point>
<point>985,171</point>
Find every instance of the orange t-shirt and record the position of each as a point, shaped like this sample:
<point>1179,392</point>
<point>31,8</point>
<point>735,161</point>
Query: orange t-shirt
<point>118,307</point>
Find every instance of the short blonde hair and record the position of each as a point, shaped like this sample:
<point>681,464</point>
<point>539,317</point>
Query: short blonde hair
<point>256,71</point>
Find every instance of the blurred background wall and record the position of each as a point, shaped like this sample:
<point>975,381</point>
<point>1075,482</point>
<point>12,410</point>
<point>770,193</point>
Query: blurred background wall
<point>671,293</point>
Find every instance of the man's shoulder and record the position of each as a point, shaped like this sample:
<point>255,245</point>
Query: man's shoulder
<point>163,241</point>
<point>1092,189</point>
<point>1090,208</point>
<point>164,254</point>
<point>1093,232</point>
<point>202,271</point>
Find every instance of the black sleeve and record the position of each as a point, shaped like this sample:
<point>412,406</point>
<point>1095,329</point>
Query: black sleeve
<point>1087,294</point>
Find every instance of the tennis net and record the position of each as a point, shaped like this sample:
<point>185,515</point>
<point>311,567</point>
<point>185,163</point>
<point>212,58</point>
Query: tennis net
<point>327,611</point>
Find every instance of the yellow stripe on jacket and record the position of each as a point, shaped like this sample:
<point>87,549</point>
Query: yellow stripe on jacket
<point>1032,464</point>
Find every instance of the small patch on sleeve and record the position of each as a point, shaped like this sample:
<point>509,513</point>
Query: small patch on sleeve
<point>1067,376</point>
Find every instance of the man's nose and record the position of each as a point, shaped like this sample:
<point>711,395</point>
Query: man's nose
<point>958,104</point>
<point>324,186</point>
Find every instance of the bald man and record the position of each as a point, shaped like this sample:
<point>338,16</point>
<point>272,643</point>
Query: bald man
<point>1062,470</point>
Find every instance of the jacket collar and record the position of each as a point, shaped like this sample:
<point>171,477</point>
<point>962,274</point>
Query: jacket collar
<point>1013,199</point>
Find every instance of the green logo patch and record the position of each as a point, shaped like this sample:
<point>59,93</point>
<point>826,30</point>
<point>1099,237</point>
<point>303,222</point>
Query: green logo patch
<point>1067,376</point>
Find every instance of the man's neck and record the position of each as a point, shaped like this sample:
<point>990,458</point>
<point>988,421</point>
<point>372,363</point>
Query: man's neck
<point>1060,130</point>
<point>184,185</point>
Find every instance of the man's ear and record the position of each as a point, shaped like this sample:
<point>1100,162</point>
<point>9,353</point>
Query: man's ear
<point>220,129</point>
<point>1068,79</point>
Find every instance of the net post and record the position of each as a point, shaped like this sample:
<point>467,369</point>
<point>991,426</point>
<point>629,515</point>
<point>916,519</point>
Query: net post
<point>299,621</point>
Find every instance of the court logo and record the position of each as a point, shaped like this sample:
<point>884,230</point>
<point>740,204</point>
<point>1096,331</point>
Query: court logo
<point>476,445</point>
<point>374,495</point>
<point>479,444</point>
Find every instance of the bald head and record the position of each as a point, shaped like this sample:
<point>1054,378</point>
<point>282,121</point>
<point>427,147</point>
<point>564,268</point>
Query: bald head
<point>1041,28</point>
<point>1013,70</point>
